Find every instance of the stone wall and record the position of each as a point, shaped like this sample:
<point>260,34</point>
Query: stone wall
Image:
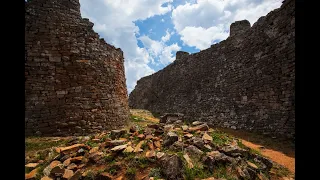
<point>74,81</point>
<point>245,82</point>
<point>239,27</point>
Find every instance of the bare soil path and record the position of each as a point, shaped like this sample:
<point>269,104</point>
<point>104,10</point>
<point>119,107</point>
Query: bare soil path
<point>280,151</point>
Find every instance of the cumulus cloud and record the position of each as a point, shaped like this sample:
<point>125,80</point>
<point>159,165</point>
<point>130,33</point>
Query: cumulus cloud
<point>166,37</point>
<point>114,21</point>
<point>201,23</point>
<point>201,37</point>
<point>160,49</point>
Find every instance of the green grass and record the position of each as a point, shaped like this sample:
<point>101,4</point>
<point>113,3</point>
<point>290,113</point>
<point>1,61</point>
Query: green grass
<point>90,175</point>
<point>33,146</point>
<point>253,151</point>
<point>27,170</point>
<point>196,172</point>
<point>105,137</point>
<point>141,131</point>
<point>109,158</point>
<point>41,167</point>
<point>92,144</point>
<point>220,171</point>
<point>130,173</point>
<point>144,145</point>
<point>281,171</point>
<point>136,118</point>
<point>220,138</point>
<point>113,169</point>
<point>140,162</point>
<point>155,172</point>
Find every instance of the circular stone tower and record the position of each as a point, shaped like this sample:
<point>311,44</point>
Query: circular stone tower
<point>74,81</point>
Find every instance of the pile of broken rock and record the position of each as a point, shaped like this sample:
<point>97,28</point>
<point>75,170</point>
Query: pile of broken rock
<point>173,147</point>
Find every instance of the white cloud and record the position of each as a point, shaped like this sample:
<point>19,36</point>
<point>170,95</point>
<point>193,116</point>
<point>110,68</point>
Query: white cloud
<point>206,21</point>
<point>160,49</point>
<point>201,37</point>
<point>113,20</point>
<point>167,57</point>
<point>166,37</point>
<point>162,20</point>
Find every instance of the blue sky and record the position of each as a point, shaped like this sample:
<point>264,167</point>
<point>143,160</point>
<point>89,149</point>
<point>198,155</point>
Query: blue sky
<point>150,32</point>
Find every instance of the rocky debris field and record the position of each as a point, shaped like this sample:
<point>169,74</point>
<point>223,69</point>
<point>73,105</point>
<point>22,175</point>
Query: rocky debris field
<point>168,150</point>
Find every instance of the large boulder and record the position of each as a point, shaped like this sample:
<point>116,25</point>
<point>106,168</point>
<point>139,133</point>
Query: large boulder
<point>171,167</point>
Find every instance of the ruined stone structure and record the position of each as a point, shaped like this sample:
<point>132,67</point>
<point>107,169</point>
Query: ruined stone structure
<point>246,81</point>
<point>74,81</point>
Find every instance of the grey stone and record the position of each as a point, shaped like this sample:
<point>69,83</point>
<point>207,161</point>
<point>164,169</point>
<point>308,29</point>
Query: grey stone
<point>117,133</point>
<point>170,138</point>
<point>171,167</point>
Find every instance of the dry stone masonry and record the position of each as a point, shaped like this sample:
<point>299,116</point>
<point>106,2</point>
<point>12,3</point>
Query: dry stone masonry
<point>74,81</point>
<point>244,82</point>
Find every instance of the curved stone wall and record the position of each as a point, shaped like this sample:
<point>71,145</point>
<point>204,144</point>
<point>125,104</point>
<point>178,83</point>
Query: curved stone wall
<point>74,81</point>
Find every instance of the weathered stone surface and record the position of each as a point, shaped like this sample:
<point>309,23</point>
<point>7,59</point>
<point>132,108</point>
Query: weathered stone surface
<point>252,165</point>
<point>129,149</point>
<point>115,142</point>
<point>184,127</point>
<point>150,154</point>
<point>171,117</point>
<point>31,165</point>
<point>197,123</point>
<point>215,157</point>
<point>192,150</point>
<point>119,148</point>
<point>141,136</point>
<point>133,129</point>
<point>73,148</point>
<point>46,178</point>
<point>72,166</point>
<point>233,150</point>
<point>67,174</point>
<point>72,160</point>
<point>189,161</point>
<point>154,126</point>
<point>115,134</point>
<point>160,155</point>
<point>76,175</point>
<point>32,174</point>
<point>198,142</point>
<point>94,149</point>
<point>171,167</point>
<point>157,144</point>
<point>51,166</point>
<point>177,146</point>
<point>207,137</point>
<point>246,81</point>
<point>96,156</point>
<point>201,127</point>
<point>168,127</point>
<point>188,135</point>
<point>71,75</point>
<point>170,139</point>
<point>138,147</point>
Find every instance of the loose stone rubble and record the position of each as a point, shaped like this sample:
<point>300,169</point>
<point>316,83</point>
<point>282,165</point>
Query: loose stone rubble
<point>119,154</point>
